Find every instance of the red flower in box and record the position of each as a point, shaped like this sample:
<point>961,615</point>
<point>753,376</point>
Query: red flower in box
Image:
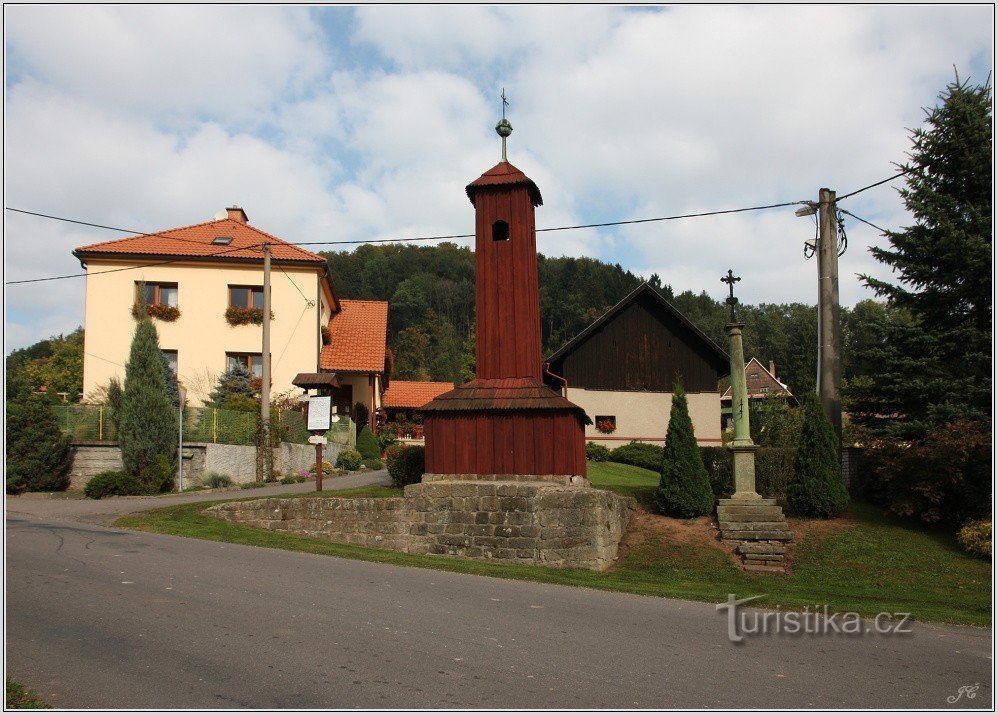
<point>606,425</point>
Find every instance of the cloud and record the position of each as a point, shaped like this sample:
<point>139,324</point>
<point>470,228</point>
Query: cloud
<point>337,124</point>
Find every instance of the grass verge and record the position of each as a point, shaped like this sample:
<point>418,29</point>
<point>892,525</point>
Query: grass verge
<point>873,564</point>
<point>19,697</point>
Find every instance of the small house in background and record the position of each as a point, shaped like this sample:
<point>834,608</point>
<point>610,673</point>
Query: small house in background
<point>402,402</point>
<point>356,350</point>
<point>761,384</point>
<point>621,370</point>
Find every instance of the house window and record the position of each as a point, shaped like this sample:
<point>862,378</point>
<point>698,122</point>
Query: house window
<point>246,297</point>
<point>763,389</point>
<point>171,359</point>
<point>251,362</point>
<point>500,231</point>
<point>754,376</point>
<point>157,293</point>
<point>221,240</point>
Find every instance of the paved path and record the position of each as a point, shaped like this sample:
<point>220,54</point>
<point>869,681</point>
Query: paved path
<point>105,618</point>
<point>73,506</point>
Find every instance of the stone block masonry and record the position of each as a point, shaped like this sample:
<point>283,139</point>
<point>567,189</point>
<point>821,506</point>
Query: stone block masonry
<point>543,524</point>
<point>758,530</point>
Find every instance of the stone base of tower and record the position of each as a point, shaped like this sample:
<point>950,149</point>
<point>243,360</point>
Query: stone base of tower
<point>539,523</point>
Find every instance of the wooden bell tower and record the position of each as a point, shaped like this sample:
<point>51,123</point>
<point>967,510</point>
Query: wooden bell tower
<point>506,421</point>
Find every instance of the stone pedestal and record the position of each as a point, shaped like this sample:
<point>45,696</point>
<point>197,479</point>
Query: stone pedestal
<point>758,530</point>
<point>743,468</point>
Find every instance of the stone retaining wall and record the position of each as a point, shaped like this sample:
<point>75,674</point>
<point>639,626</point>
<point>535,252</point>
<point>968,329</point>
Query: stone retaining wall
<point>513,522</point>
<point>236,461</point>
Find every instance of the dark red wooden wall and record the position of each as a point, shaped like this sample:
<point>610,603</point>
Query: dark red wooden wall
<point>537,443</point>
<point>507,300</point>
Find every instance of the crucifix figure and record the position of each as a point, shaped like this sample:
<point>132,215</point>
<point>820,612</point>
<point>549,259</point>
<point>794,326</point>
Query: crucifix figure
<point>731,279</point>
<point>504,128</point>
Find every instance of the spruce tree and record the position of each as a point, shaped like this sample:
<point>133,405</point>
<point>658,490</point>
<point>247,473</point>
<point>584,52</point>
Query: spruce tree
<point>936,366</point>
<point>38,454</point>
<point>234,381</point>
<point>816,488</point>
<point>147,425</point>
<point>684,489</point>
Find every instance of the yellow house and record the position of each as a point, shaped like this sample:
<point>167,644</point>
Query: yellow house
<point>203,285</point>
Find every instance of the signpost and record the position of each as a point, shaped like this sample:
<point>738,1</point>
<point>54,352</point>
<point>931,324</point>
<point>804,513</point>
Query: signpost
<point>318,422</point>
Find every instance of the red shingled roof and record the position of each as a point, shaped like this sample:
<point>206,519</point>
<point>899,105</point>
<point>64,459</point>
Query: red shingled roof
<point>357,337</point>
<point>507,393</point>
<point>504,174</point>
<point>196,242</point>
<point>413,395</point>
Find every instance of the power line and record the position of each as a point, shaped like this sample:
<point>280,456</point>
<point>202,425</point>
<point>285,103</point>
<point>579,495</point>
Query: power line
<point>863,220</point>
<point>882,181</point>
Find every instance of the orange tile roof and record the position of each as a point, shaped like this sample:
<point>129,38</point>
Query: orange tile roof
<point>358,335</point>
<point>196,242</point>
<point>413,395</point>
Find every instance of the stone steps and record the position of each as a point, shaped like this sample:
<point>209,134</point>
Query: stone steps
<point>758,530</point>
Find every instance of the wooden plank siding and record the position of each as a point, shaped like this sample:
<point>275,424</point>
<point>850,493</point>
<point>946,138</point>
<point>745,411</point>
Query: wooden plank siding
<point>643,347</point>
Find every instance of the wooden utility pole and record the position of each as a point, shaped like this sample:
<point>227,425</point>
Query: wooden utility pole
<point>265,466</point>
<point>830,327</point>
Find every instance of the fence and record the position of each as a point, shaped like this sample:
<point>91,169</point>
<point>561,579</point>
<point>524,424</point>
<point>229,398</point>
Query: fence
<point>88,423</point>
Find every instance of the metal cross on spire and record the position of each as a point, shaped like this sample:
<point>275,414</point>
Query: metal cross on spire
<point>731,279</point>
<point>504,128</point>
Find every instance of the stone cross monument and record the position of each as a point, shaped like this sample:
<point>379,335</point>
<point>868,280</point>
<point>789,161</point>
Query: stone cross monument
<point>754,525</point>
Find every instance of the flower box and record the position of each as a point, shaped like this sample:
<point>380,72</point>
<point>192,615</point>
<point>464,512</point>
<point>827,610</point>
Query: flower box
<point>244,316</point>
<point>167,313</point>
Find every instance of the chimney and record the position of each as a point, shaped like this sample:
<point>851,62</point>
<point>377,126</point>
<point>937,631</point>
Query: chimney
<point>236,214</point>
<point>772,368</point>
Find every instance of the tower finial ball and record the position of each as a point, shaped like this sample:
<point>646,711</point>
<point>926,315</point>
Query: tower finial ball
<point>504,128</point>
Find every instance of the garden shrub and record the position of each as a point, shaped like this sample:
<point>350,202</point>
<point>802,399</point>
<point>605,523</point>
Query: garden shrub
<point>684,490</point>
<point>639,454</point>
<point>327,467</point>
<point>944,478</point>
<point>392,453</point>
<point>348,459</point>
<point>407,467</point>
<point>596,452</point>
<point>214,480</point>
<point>374,464</point>
<point>717,462</point>
<point>975,537</point>
<point>816,488</point>
<point>773,470</point>
<point>114,484</point>
<point>367,444</point>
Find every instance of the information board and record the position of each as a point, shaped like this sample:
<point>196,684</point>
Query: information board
<point>318,413</point>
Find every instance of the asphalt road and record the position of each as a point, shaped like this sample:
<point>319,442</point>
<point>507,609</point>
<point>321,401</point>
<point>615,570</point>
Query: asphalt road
<point>105,618</point>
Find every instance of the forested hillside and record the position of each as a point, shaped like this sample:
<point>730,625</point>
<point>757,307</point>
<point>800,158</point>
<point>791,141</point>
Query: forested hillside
<point>432,294</point>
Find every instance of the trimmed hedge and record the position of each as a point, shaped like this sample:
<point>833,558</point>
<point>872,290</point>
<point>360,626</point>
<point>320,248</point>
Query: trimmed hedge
<point>639,454</point>
<point>407,467</point>
<point>773,470</point>
<point>114,484</point>
<point>374,463</point>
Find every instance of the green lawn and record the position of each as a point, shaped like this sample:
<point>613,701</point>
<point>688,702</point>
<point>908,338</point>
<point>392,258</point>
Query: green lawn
<point>876,564</point>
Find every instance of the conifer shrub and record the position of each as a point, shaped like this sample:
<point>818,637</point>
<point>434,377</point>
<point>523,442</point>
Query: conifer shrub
<point>349,459</point>
<point>596,452</point>
<point>159,475</point>
<point>817,489</point>
<point>38,454</point>
<point>408,466</point>
<point>148,421</point>
<point>684,490</point>
<point>113,483</point>
<point>367,444</point>
<point>638,454</point>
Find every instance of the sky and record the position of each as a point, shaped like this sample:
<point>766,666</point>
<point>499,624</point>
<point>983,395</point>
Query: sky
<point>364,123</point>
